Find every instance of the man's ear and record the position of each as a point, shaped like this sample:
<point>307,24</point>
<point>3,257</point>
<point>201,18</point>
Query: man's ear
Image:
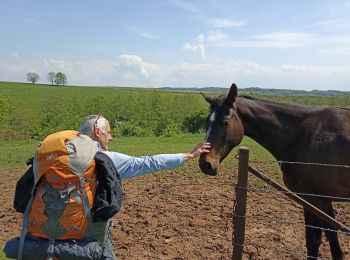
<point>97,132</point>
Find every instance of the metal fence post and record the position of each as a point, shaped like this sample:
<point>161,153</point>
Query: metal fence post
<point>239,216</point>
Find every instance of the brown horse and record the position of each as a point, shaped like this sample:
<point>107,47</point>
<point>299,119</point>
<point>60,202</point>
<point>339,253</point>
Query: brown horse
<point>291,133</point>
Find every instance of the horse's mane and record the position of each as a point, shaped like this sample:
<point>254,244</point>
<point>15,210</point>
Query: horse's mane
<point>284,104</point>
<point>296,106</point>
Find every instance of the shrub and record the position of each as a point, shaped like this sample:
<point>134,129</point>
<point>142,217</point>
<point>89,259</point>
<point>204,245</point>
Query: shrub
<point>172,130</point>
<point>194,123</point>
<point>16,120</point>
<point>130,129</point>
<point>4,112</point>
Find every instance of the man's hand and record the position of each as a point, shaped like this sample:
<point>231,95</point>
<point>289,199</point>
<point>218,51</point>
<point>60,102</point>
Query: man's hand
<point>203,147</point>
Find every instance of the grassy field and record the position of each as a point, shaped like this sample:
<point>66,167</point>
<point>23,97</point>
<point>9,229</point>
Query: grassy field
<point>36,95</point>
<point>142,106</point>
<point>34,111</point>
<point>14,153</point>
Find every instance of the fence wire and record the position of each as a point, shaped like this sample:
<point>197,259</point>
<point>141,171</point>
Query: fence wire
<point>279,220</point>
<point>228,218</point>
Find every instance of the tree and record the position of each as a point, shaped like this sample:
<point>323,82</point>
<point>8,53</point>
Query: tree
<point>33,77</point>
<point>51,77</point>
<point>60,79</point>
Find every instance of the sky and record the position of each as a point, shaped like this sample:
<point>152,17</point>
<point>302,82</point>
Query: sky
<point>285,44</point>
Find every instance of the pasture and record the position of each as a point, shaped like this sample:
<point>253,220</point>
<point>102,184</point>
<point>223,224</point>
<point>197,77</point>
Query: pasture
<point>175,214</point>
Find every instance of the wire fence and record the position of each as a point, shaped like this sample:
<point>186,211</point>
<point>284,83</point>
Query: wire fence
<point>279,220</point>
<point>272,220</point>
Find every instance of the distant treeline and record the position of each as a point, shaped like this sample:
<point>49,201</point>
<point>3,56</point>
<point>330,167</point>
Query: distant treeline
<point>34,111</point>
<point>265,91</point>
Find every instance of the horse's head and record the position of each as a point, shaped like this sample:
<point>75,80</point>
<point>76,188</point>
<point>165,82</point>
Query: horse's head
<point>224,130</point>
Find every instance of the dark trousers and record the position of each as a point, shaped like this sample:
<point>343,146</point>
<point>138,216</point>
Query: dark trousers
<point>107,247</point>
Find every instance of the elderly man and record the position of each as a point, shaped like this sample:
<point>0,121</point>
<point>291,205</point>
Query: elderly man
<point>75,187</point>
<point>99,130</point>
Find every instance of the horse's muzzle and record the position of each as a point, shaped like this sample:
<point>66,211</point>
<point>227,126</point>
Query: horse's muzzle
<point>207,166</point>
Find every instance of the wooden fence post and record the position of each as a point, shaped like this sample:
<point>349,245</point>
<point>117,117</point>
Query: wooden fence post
<point>239,216</point>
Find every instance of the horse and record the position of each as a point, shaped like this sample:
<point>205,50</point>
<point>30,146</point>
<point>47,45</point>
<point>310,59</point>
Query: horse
<point>318,138</point>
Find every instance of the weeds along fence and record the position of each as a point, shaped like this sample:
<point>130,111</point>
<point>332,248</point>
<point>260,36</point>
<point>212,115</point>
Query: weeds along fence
<point>240,209</point>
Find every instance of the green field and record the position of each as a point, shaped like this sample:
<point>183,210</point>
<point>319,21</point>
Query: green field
<point>144,121</point>
<point>33,111</point>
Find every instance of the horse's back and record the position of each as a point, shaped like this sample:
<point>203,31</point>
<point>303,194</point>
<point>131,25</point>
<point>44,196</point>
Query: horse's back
<point>322,150</point>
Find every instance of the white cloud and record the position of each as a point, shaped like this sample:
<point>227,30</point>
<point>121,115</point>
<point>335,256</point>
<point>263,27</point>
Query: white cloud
<point>132,66</point>
<point>198,49</point>
<point>226,23</point>
<point>59,65</point>
<point>200,38</point>
<point>127,69</point>
<point>252,74</point>
<point>132,70</point>
<point>271,40</point>
<point>217,37</point>
<point>148,35</point>
<point>186,6</point>
<point>334,24</point>
<point>143,33</point>
<point>286,39</point>
<point>313,71</point>
<point>335,40</point>
<point>337,51</point>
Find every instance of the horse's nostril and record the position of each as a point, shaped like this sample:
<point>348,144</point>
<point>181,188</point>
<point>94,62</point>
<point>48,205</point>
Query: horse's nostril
<point>208,166</point>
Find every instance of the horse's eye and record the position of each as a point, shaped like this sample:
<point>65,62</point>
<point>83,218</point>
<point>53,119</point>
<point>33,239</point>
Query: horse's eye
<point>227,120</point>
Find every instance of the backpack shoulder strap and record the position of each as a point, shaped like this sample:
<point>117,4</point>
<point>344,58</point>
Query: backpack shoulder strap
<point>24,224</point>
<point>23,189</point>
<point>109,194</point>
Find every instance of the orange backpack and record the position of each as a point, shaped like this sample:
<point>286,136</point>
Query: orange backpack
<point>75,191</point>
<point>64,191</point>
<point>65,180</point>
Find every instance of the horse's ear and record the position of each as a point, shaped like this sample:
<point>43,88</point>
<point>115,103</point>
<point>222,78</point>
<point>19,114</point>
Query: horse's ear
<point>207,98</point>
<point>232,95</point>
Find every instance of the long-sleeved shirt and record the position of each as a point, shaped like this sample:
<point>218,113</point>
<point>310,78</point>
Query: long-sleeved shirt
<point>130,166</point>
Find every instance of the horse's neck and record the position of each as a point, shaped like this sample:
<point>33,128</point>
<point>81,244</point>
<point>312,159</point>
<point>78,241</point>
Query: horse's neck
<point>273,125</point>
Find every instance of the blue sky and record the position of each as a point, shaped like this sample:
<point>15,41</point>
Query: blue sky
<point>291,44</point>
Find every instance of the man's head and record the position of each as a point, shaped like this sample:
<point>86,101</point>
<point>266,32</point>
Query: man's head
<point>98,128</point>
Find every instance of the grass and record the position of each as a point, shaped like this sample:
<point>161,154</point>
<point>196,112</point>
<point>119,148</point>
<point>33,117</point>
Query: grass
<point>33,96</point>
<point>15,153</point>
<point>2,256</point>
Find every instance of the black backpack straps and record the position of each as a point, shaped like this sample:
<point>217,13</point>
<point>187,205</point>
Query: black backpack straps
<point>24,187</point>
<point>109,193</point>
<point>25,222</point>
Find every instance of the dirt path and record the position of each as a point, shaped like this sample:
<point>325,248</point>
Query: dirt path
<point>177,215</point>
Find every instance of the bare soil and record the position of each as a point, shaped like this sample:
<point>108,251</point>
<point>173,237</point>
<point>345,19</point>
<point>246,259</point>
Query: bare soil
<point>182,214</point>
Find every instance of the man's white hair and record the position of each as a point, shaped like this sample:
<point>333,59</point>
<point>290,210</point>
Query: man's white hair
<point>91,122</point>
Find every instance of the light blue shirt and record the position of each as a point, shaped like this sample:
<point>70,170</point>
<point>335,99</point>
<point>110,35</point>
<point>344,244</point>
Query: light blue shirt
<point>130,166</point>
